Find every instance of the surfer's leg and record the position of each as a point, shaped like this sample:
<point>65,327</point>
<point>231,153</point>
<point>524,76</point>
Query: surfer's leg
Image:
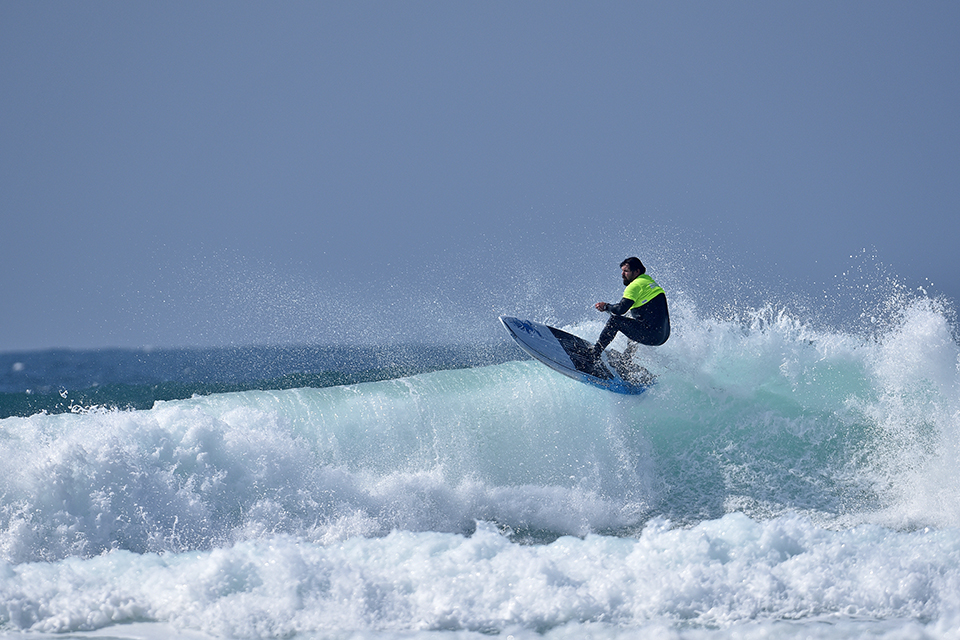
<point>609,332</point>
<point>652,327</point>
<point>615,325</point>
<point>638,333</point>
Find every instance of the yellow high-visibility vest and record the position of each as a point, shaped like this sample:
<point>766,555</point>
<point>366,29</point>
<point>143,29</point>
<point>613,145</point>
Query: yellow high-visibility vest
<point>642,290</point>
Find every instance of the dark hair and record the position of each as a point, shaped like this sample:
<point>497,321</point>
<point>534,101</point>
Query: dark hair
<point>635,265</point>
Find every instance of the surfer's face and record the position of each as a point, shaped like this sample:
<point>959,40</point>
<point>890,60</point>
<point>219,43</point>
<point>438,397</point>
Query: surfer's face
<point>628,275</point>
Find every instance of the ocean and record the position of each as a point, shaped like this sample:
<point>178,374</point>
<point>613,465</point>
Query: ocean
<point>784,478</point>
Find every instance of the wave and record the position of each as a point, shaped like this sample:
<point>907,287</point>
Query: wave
<point>764,416</point>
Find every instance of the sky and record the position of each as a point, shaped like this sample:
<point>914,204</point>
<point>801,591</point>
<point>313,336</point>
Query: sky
<point>230,173</point>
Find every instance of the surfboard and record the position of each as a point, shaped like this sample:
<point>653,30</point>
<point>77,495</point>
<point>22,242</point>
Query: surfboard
<point>573,357</point>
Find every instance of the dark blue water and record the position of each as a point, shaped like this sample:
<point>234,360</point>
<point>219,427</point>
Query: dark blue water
<point>59,380</point>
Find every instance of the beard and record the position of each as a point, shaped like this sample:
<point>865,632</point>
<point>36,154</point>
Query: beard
<point>626,280</point>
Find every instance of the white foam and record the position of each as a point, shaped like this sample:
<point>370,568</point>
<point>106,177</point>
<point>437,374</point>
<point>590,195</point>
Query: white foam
<point>721,574</point>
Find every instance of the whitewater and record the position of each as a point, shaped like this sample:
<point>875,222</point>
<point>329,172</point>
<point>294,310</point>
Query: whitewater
<point>784,478</point>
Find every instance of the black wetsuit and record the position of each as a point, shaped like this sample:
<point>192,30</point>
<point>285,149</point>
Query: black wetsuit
<point>647,324</point>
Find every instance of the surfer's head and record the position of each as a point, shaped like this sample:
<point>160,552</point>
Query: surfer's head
<point>630,269</point>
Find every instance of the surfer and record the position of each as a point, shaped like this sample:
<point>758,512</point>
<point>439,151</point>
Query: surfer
<point>648,321</point>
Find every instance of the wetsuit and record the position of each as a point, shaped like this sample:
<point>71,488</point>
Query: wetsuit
<point>648,321</point>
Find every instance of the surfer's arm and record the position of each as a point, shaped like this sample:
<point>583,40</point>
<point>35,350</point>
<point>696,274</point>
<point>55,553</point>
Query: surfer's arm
<point>617,309</point>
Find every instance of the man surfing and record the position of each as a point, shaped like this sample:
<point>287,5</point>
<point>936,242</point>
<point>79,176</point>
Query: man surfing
<point>648,321</point>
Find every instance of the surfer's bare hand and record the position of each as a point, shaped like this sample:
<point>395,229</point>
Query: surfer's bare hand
<point>601,306</point>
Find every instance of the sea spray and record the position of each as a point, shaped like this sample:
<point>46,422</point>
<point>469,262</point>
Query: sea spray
<point>916,417</point>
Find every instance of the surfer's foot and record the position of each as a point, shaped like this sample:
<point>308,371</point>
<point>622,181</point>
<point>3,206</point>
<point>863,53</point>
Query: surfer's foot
<point>596,363</point>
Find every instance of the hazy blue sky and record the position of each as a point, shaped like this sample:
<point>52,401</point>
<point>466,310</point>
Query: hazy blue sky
<point>205,173</point>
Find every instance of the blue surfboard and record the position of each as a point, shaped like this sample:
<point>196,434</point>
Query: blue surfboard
<point>573,357</point>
